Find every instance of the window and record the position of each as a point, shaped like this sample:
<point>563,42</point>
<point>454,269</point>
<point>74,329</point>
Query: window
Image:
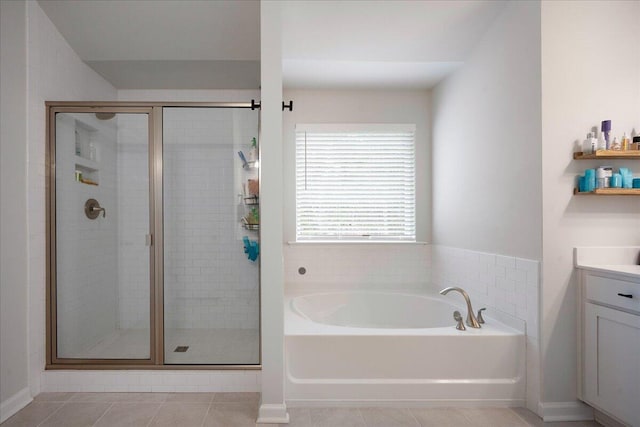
<point>355,182</point>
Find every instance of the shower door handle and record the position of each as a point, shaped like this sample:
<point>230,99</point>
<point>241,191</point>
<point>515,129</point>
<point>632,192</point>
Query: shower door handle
<point>148,239</point>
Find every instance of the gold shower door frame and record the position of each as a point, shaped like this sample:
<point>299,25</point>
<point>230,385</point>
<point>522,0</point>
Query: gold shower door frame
<point>156,255</point>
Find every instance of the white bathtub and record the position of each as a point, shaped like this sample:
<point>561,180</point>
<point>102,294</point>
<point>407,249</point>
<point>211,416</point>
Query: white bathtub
<point>362,348</point>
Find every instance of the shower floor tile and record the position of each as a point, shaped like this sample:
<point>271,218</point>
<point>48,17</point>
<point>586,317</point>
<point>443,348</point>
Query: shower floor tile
<point>205,346</point>
<point>217,346</point>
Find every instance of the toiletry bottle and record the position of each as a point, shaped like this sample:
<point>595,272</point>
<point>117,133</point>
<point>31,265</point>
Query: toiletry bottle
<point>606,129</point>
<point>77,144</point>
<point>586,145</point>
<point>602,143</point>
<point>624,145</point>
<point>594,142</point>
<point>615,145</point>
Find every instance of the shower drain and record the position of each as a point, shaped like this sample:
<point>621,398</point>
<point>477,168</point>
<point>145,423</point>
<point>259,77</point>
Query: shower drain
<point>181,349</point>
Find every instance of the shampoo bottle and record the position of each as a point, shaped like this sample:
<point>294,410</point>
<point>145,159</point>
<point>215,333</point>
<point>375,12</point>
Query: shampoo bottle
<point>624,145</point>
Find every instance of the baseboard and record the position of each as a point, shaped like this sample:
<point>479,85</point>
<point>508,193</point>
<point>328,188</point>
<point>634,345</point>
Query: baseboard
<point>607,420</point>
<point>445,403</point>
<point>13,404</point>
<point>270,413</point>
<point>565,411</point>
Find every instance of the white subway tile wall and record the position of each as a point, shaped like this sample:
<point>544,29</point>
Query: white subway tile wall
<point>209,282</point>
<point>357,266</point>
<point>133,221</point>
<point>86,250</point>
<point>505,285</point>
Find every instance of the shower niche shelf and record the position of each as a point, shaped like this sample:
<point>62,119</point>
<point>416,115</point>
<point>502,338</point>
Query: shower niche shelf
<point>88,170</point>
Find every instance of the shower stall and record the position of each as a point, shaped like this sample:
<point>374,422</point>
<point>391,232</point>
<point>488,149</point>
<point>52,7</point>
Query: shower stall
<point>151,213</point>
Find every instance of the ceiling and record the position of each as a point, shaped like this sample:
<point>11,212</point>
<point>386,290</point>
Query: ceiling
<point>215,44</point>
<point>409,44</point>
<point>167,44</point>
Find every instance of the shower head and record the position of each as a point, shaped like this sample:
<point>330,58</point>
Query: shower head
<point>105,116</point>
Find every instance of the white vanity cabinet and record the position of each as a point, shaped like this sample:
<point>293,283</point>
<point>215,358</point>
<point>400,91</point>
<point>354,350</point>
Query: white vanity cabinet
<point>609,343</point>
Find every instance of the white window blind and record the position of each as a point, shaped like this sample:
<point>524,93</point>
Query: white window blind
<point>355,182</point>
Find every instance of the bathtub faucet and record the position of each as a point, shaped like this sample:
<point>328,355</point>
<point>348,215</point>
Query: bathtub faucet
<point>471,318</point>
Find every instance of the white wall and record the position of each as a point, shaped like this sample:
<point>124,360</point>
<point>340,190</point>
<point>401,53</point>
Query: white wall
<point>364,265</point>
<point>13,199</point>
<point>590,72</point>
<point>55,73</point>
<point>486,142</point>
<point>487,215</point>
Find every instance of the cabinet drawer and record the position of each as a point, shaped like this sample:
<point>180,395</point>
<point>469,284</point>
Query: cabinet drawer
<point>617,293</point>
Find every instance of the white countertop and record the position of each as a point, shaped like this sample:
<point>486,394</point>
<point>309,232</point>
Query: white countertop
<point>626,270</point>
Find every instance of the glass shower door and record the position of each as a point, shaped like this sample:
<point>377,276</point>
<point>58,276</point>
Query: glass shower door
<point>102,276</point>
<point>211,288</point>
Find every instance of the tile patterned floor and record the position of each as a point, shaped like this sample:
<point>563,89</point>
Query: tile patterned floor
<point>241,409</point>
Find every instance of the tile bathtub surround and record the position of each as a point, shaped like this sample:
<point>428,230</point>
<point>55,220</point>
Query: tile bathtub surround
<point>505,285</point>
<point>240,410</point>
<point>357,266</point>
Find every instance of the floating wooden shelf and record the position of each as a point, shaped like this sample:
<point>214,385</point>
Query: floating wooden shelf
<point>609,192</point>
<point>608,154</point>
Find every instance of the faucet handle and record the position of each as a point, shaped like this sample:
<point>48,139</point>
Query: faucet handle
<point>458,318</point>
<point>479,316</point>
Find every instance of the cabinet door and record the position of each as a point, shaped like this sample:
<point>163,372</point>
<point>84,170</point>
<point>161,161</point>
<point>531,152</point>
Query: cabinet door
<point>612,362</point>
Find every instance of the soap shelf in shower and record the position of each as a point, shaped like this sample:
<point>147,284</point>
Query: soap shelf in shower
<point>252,227</point>
<point>89,170</point>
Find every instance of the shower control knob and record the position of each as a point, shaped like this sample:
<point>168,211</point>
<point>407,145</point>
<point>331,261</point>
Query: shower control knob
<point>92,209</point>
